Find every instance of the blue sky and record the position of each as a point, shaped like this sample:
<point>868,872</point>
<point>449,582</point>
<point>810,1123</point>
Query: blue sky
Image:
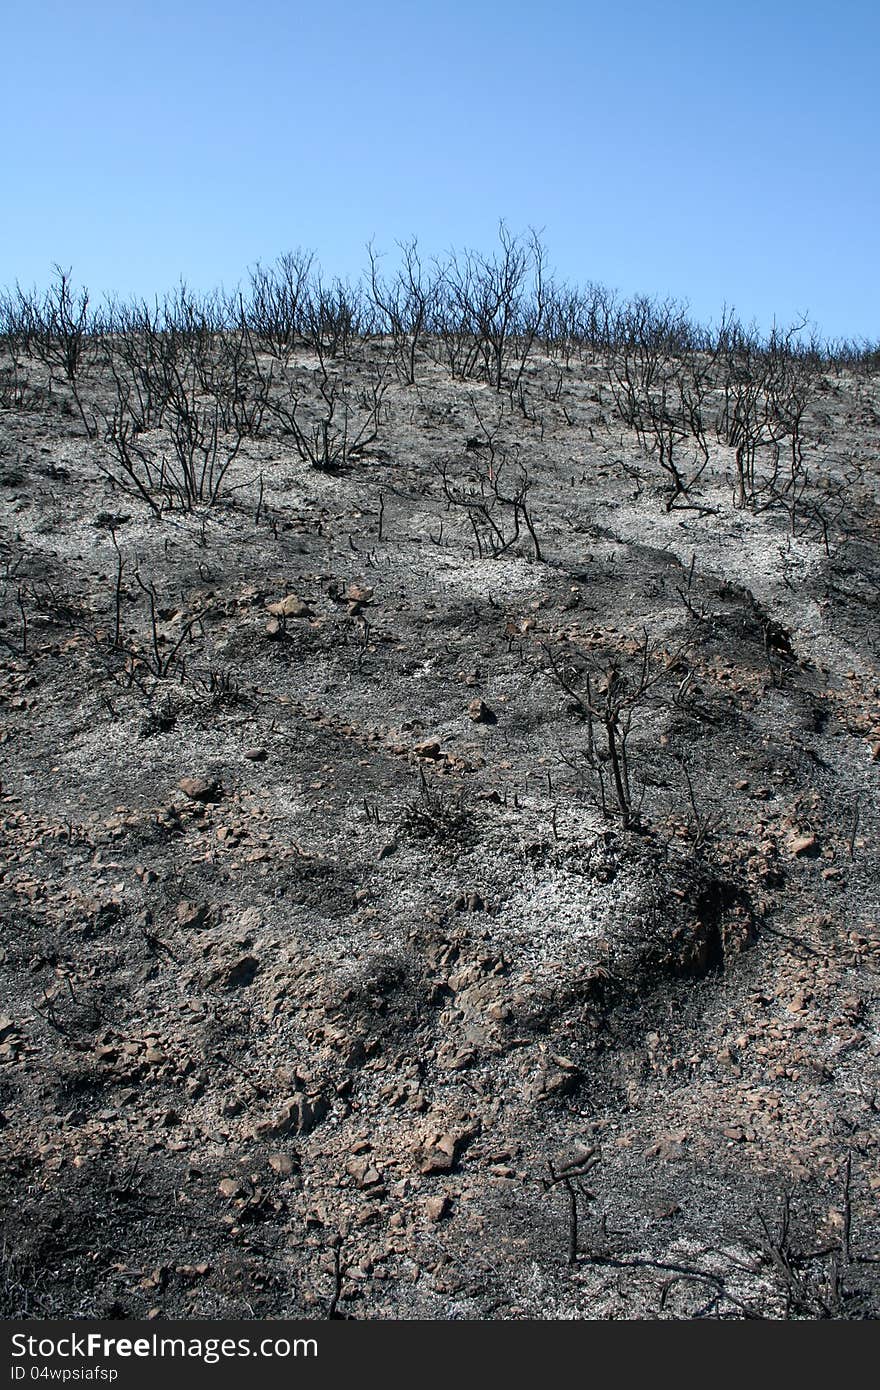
<point>714,152</point>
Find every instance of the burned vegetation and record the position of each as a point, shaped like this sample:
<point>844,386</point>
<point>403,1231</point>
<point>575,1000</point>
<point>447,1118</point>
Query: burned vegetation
<point>440,742</point>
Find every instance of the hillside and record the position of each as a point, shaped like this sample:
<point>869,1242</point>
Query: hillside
<point>439,814</point>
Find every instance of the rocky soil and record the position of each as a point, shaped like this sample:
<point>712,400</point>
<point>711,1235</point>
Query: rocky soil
<point>329,987</point>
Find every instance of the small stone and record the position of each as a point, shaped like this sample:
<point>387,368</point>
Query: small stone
<point>255,755</point>
<point>364,1172</point>
<point>575,1157</point>
<point>798,1004</point>
<point>429,748</point>
<point>565,1063</point>
<point>448,1144</point>
<point>284,1121</point>
<point>297,1116</point>
<point>456,1058</point>
<point>290,607</point>
<point>804,847</point>
<point>229,1187</point>
<point>440,1155</point>
<point>358,595</point>
<point>469,902</point>
<point>200,789</point>
<point>564,1080</point>
<point>480,712</point>
<point>282,1164</point>
<point>432,1162</point>
<point>436,1208</point>
<point>671,1151</point>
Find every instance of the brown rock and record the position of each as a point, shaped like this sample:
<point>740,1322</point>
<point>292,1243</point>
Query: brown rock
<point>283,1164</point>
<point>364,1172</point>
<point>469,902</point>
<point>298,1116</point>
<point>480,712</point>
<point>200,789</point>
<point>577,1156</point>
<point>562,1080</point>
<point>255,755</point>
<point>290,607</point>
<point>804,847</point>
<point>284,1121</point>
<point>358,595</point>
<point>429,748</point>
<point>229,1187</point>
<point>798,1004</point>
<point>441,1153</point>
<point>433,1162</point>
<point>436,1208</point>
<point>670,1149</point>
<point>454,1057</point>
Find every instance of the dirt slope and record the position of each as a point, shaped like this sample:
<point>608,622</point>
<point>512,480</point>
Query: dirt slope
<point>328,986</point>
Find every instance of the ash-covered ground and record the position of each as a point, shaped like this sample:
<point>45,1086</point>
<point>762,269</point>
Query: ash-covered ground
<point>441,884</point>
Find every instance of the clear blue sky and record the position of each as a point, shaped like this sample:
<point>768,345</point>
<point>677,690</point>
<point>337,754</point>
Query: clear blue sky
<point>712,151</point>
